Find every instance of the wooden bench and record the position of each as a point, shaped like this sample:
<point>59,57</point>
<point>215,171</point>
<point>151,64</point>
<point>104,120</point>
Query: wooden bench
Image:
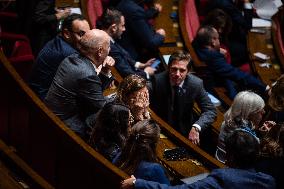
<point>43,141</point>
<point>15,173</point>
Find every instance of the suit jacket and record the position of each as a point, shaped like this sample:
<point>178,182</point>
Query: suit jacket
<point>152,172</point>
<point>124,64</point>
<point>226,178</point>
<point>226,73</point>
<point>139,33</point>
<point>192,91</point>
<point>76,92</point>
<point>47,63</point>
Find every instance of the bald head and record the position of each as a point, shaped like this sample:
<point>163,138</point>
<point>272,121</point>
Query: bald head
<point>95,45</point>
<point>207,36</point>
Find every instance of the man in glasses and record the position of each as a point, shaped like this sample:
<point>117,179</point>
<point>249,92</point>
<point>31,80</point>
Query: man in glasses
<point>49,58</point>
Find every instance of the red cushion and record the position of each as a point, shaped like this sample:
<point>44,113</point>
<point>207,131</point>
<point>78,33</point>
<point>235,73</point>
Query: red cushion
<point>191,19</point>
<point>94,10</point>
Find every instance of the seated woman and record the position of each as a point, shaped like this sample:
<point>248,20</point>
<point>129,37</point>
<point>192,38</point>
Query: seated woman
<point>245,112</point>
<point>138,157</point>
<point>110,129</point>
<point>271,160</point>
<point>133,92</point>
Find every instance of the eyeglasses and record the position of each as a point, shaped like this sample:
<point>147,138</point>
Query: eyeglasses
<point>79,33</point>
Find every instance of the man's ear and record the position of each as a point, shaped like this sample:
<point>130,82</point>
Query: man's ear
<point>100,51</point>
<point>66,34</point>
<point>113,28</point>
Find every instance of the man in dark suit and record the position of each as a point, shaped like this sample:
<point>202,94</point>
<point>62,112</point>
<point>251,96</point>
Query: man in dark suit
<point>52,54</point>
<point>242,150</point>
<point>112,22</point>
<point>140,38</point>
<point>77,89</point>
<point>207,47</point>
<point>173,93</point>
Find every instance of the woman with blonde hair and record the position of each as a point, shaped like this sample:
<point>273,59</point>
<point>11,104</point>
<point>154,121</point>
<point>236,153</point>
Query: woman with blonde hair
<point>245,113</point>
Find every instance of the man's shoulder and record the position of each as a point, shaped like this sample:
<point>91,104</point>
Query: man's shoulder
<point>193,79</point>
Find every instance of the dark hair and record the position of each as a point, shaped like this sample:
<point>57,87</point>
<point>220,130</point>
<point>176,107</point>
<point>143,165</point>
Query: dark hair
<point>241,149</point>
<point>217,18</point>
<point>140,146</point>
<point>180,55</point>
<point>128,86</point>
<point>273,143</point>
<point>204,36</point>
<point>110,16</point>
<point>111,126</point>
<point>68,21</point>
<point>276,99</point>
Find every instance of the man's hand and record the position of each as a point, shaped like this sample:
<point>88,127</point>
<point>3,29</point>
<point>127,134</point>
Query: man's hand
<point>109,61</point>
<point>146,64</point>
<point>193,136</point>
<point>62,13</point>
<point>128,183</point>
<point>150,70</point>
<point>158,7</point>
<point>105,67</point>
<point>161,32</point>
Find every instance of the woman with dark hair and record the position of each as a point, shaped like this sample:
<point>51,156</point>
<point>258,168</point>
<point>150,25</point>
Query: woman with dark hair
<point>111,129</point>
<point>138,157</point>
<point>133,92</point>
<point>271,158</point>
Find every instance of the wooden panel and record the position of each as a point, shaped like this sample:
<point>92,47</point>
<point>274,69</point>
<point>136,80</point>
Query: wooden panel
<point>258,42</point>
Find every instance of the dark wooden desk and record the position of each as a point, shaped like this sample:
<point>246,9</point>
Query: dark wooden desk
<point>257,42</point>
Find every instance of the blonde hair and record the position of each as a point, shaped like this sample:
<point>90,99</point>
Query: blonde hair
<point>245,104</point>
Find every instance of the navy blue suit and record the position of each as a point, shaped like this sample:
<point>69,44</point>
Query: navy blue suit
<point>221,70</point>
<point>152,172</point>
<point>139,34</point>
<point>124,64</point>
<point>47,63</point>
<point>227,178</point>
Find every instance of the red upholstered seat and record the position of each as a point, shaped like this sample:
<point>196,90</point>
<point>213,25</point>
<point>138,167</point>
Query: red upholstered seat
<point>17,49</point>
<point>94,11</point>
<point>191,19</point>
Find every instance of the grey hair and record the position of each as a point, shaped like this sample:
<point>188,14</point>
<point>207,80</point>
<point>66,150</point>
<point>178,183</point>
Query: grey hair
<point>245,104</point>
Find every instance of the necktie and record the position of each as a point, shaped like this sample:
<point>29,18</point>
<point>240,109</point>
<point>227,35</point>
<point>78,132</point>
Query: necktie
<point>177,91</point>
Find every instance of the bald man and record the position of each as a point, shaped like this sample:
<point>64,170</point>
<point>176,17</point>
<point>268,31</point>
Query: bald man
<point>77,89</point>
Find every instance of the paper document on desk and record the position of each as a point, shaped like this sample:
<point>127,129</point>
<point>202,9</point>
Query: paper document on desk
<point>76,10</point>
<point>258,22</point>
<point>265,9</point>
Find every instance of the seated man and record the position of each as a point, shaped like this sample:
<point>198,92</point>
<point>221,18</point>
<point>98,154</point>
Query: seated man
<point>207,47</point>
<point>173,93</point>
<point>77,89</point>
<point>242,149</point>
<point>140,38</point>
<point>52,54</point>
<point>112,22</point>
